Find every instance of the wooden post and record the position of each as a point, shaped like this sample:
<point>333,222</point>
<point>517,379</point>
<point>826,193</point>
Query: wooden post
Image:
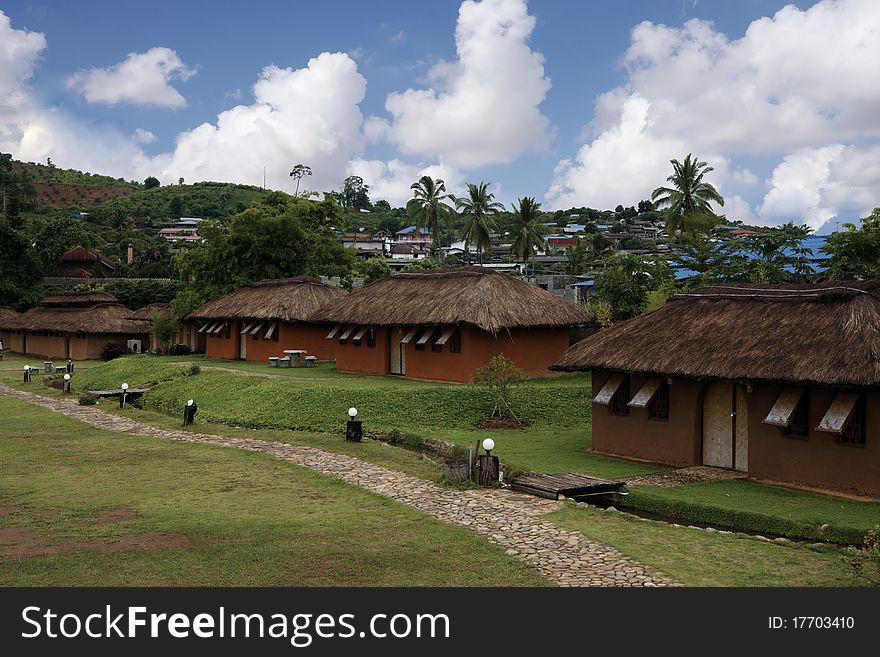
<point>488,470</point>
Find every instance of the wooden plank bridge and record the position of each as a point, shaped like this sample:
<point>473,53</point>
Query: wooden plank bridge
<point>570,484</point>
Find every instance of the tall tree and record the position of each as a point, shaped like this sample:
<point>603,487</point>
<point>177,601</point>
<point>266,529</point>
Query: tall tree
<point>355,194</point>
<point>299,172</point>
<point>855,252</point>
<point>429,207</point>
<point>598,245</point>
<point>478,209</point>
<point>688,200</point>
<point>528,233</point>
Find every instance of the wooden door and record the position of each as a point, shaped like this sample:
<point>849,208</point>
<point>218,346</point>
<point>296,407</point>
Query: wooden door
<point>242,344</point>
<point>397,364</point>
<point>725,427</point>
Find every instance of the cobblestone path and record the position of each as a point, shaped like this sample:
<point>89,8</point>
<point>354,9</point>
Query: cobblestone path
<point>509,520</point>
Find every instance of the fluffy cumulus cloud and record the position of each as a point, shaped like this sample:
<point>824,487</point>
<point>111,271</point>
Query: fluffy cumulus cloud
<point>141,79</point>
<point>819,183</point>
<point>19,52</point>
<point>391,180</point>
<point>482,108</point>
<point>309,115</point>
<point>775,91</point>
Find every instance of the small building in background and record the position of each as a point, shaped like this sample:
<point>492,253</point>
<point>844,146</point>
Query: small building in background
<point>778,381</point>
<point>444,324</point>
<point>77,325</point>
<point>9,333</point>
<point>80,262</point>
<point>262,319</point>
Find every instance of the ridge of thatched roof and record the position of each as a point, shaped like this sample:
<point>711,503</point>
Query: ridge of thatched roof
<point>146,313</point>
<point>8,318</point>
<point>825,334</point>
<point>287,299</point>
<point>484,298</point>
<point>74,298</point>
<point>99,318</point>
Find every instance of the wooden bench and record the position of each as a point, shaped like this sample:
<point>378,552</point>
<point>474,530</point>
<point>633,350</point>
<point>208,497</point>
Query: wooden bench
<point>131,393</point>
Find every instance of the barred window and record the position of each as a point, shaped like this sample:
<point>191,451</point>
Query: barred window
<point>854,431</point>
<point>620,402</point>
<point>659,407</point>
<point>371,338</point>
<point>799,426</point>
<point>455,342</point>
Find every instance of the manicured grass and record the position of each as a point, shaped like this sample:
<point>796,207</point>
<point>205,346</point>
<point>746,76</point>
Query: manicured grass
<point>554,450</point>
<point>190,514</point>
<point>699,558</point>
<point>761,508</point>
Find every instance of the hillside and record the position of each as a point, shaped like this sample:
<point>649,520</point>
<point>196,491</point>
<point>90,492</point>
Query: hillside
<point>207,200</point>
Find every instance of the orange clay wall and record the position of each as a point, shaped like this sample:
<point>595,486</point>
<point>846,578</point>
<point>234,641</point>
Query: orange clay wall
<point>298,335</point>
<point>369,360</point>
<point>532,350</point>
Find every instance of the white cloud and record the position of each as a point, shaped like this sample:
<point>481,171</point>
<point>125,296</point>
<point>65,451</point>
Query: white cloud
<point>142,136</point>
<point>391,180</point>
<point>19,52</point>
<point>398,39</point>
<point>140,79</point>
<point>816,184</point>
<point>482,108</point>
<point>798,80</point>
<point>308,115</point>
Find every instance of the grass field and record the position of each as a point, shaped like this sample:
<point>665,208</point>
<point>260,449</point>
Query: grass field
<point>699,558</point>
<point>79,506</point>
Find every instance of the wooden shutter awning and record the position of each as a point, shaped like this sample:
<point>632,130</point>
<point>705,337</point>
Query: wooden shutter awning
<point>257,328</point>
<point>271,330</point>
<point>203,327</point>
<point>783,410</point>
<point>606,394</point>
<point>443,339</point>
<point>357,336</point>
<point>409,336</point>
<point>247,327</point>
<point>647,392</point>
<point>347,332</point>
<point>839,412</point>
<point>426,335</point>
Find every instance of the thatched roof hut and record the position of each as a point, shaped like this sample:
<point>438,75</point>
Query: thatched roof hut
<point>80,312</point>
<point>8,318</point>
<point>826,334</point>
<point>286,299</point>
<point>483,298</point>
<point>146,313</point>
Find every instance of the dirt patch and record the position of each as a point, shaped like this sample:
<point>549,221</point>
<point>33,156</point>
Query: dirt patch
<point>109,517</point>
<point>501,424</point>
<point>18,544</point>
<point>9,509</point>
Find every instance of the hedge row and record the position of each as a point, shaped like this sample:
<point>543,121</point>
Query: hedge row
<point>639,501</point>
<point>136,371</point>
<point>257,402</point>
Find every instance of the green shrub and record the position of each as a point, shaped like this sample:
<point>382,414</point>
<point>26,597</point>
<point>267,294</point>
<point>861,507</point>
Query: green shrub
<point>88,399</point>
<point>864,559</point>
<point>680,511</point>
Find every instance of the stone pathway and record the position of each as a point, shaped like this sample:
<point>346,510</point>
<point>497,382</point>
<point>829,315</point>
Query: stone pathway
<point>684,476</point>
<point>508,520</point>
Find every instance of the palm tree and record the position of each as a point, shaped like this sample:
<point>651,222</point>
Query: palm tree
<point>428,206</point>
<point>598,245</point>
<point>528,233</point>
<point>479,210</point>
<point>299,172</point>
<point>687,200</point>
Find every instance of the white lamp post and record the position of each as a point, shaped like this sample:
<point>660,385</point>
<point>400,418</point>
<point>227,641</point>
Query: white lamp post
<point>124,387</point>
<point>354,430</point>
<point>66,383</point>
<point>488,445</point>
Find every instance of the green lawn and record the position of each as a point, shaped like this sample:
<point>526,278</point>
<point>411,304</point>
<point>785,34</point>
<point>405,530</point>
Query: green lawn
<point>80,506</point>
<point>762,508</point>
<point>699,558</point>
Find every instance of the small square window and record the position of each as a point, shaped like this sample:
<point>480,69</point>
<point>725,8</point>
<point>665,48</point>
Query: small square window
<point>658,409</point>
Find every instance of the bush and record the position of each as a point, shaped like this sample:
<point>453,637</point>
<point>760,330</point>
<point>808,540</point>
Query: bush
<point>864,559</point>
<point>179,350</point>
<point>53,382</point>
<point>500,375</point>
<point>88,399</point>
<point>114,350</point>
<point>193,369</point>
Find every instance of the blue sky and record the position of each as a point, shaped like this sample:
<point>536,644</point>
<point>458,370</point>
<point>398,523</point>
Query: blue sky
<point>575,103</point>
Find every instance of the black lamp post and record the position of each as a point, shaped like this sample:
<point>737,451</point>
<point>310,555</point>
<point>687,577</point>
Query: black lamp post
<point>189,413</point>
<point>488,464</point>
<point>27,373</point>
<point>354,431</point>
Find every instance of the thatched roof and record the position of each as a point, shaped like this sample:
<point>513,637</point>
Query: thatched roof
<point>146,313</point>
<point>286,299</point>
<point>8,318</point>
<point>81,299</point>
<point>99,318</point>
<point>825,334</point>
<point>489,300</point>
